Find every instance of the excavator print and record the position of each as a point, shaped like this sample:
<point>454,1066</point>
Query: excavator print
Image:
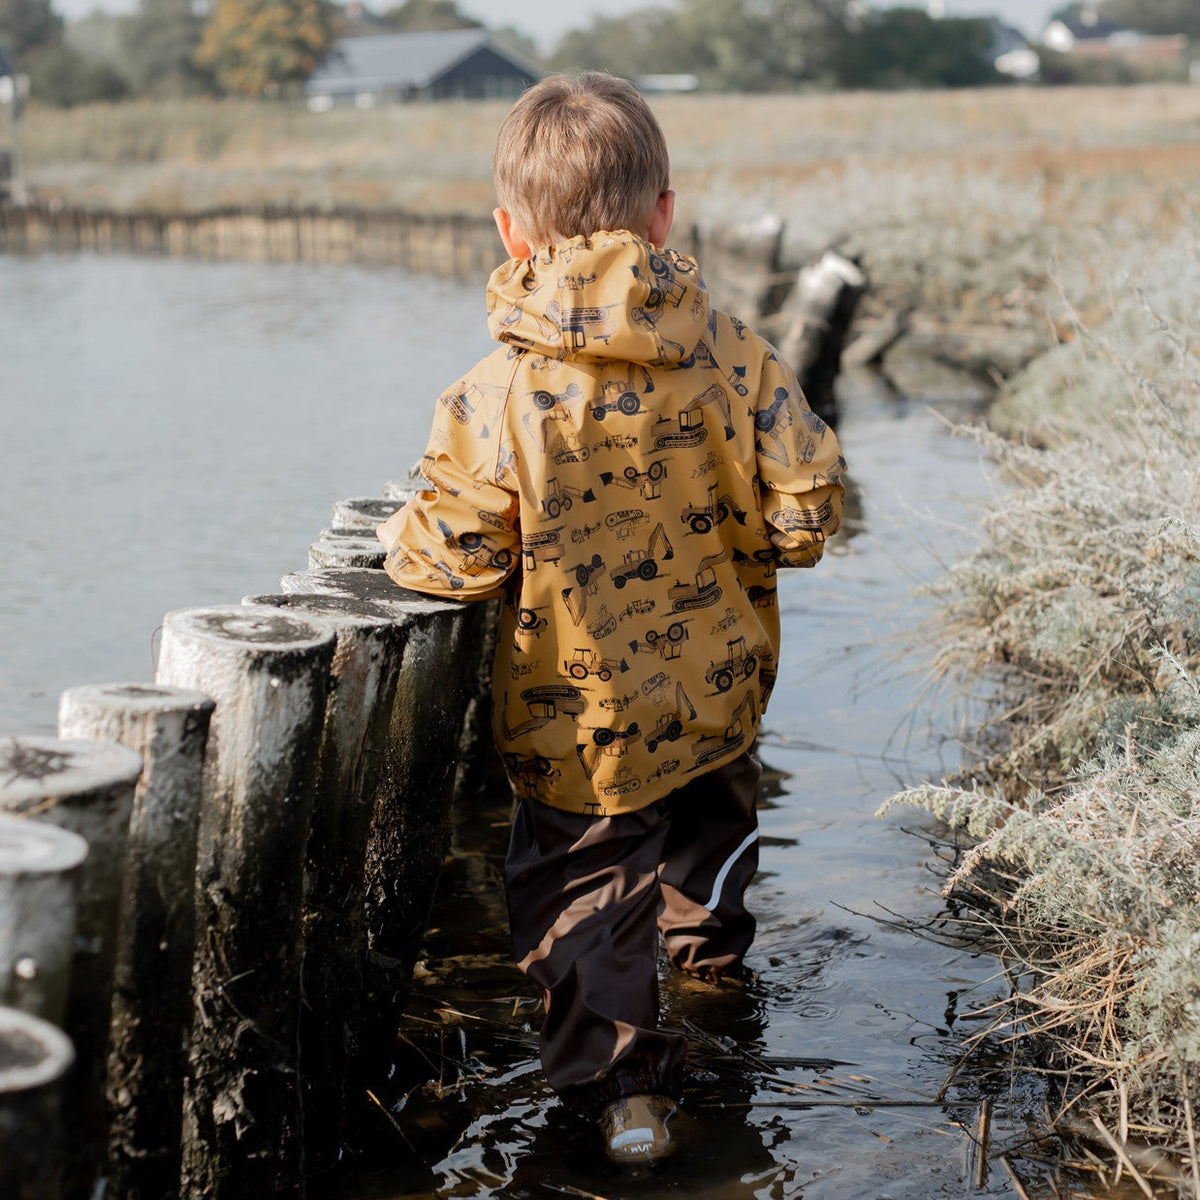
<point>690,419</point>
<point>709,749</point>
<point>715,511</point>
<point>643,564</point>
<point>670,725</point>
<point>703,592</point>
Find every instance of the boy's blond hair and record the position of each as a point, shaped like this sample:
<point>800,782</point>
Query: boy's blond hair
<point>577,154</point>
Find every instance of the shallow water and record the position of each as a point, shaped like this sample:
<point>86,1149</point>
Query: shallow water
<point>887,1009</point>
<point>173,433</point>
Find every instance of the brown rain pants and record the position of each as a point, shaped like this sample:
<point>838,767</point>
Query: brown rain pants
<point>587,897</point>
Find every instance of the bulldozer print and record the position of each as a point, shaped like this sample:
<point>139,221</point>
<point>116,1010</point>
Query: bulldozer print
<point>667,644</point>
<point>738,663</point>
<point>709,749</point>
<point>559,498</point>
<point>647,482</point>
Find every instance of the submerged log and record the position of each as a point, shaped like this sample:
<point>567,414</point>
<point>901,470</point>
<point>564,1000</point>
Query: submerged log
<point>152,995</point>
<point>268,673</point>
<point>364,674</point>
<point>86,788</point>
<point>35,1057</point>
<point>39,879</point>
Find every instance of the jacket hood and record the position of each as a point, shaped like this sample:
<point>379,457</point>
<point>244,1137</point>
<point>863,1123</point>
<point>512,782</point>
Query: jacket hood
<point>607,296</point>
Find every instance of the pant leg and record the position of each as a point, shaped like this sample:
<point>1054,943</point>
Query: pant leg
<point>710,857</point>
<point>583,898</point>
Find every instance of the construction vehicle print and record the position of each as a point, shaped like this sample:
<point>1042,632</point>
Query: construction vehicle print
<point>606,743</point>
<point>655,688</point>
<point>715,510</point>
<point>575,283</point>
<point>545,704</point>
<point>585,572</point>
<point>638,608</point>
<point>569,448</point>
<point>708,749</point>
<point>761,596</point>
<point>702,356</point>
<point>738,663</point>
<point>545,401</point>
<point>667,767</point>
<point>559,499</point>
<point>616,441</point>
<point>462,406</point>
<point>622,782</point>
<point>690,419</point>
<point>604,624</point>
<point>585,661</point>
<point>582,533</point>
<point>670,725</point>
<point>643,564</point>
<point>667,645</point>
<point>579,325</point>
<point>545,546</point>
<point>625,521</point>
<point>479,557</point>
<point>528,773</point>
<point>616,704</point>
<point>772,423</point>
<point>648,482</point>
<point>804,520</point>
<point>528,620</point>
<point>548,408</point>
<point>703,592</point>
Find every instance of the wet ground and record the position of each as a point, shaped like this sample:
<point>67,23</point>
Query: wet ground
<point>837,1073</point>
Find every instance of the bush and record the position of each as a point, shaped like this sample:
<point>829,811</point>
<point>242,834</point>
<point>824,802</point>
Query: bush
<point>62,77</point>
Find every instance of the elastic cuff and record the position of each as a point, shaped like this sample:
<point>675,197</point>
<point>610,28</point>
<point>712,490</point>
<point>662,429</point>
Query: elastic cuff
<point>590,1099</point>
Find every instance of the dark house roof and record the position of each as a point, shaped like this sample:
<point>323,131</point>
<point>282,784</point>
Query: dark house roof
<point>1084,30</point>
<point>8,64</point>
<point>442,64</point>
<point>1004,38</point>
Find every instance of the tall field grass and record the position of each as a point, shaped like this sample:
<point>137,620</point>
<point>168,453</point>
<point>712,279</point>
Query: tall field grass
<point>958,201</point>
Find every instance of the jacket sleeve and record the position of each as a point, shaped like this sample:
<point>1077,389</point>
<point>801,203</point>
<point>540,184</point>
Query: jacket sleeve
<point>460,537</point>
<point>800,467</point>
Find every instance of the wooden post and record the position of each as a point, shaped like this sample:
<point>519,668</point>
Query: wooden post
<point>344,550</point>
<point>822,307</point>
<point>39,878</point>
<point>411,825</point>
<point>152,994</point>
<point>35,1056</point>
<point>365,670</point>
<point>87,788</point>
<point>268,673</point>
<point>361,514</point>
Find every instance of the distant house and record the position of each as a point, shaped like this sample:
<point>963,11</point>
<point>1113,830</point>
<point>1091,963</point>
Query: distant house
<point>1085,34</point>
<point>1010,52</point>
<point>455,64</point>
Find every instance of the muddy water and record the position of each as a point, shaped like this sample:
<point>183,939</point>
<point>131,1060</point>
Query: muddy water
<point>831,1075</point>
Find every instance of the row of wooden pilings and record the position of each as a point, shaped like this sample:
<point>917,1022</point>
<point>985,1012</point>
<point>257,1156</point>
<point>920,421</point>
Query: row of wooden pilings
<point>213,888</point>
<point>447,244</point>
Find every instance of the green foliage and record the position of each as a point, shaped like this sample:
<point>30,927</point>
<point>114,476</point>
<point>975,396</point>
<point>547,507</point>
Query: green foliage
<point>1154,16</point>
<point>261,47</point>
<point>28,24</point>
<point>418,16</point>
<point>905,47</point>
<point>160,44</point>
<point>62,77</point>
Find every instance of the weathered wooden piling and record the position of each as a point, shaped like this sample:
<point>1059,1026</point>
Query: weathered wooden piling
<point>821,308</point>
<point>39,879</point>
<point>364,675</point>
<point>268,673</point>
<point>35,1057</point>
<point>334,549</point>
<point>86,788</point>
<point>152,994</point>
<point>360,514</point>
<point>411,824</point>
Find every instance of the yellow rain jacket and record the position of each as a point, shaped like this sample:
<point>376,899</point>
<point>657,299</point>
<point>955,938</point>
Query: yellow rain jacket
<point>628,469</point>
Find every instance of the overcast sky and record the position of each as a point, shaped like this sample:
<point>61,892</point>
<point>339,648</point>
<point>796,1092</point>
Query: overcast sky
<point>547,20</point>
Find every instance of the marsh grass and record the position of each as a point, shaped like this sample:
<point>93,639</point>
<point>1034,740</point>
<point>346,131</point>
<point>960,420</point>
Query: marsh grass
<point>1076,623</point>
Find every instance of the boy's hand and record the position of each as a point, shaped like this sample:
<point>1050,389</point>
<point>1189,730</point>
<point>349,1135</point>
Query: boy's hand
<point>389,531</point>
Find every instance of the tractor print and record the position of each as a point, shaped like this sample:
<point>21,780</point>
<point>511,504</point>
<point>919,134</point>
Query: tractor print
<point>585,661</point>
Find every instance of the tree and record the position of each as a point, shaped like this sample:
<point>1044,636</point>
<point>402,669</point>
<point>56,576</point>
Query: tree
<point>63,77</point>
<point>261,47</point>
<point>905,47</point>
<point>644,43</point>
<point>420,16</point>
<point>161,39</point>
<point>1154,16</point>
<point>27,25</point>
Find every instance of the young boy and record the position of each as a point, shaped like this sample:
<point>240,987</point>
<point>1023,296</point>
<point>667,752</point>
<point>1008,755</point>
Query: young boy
<point>627,470</point>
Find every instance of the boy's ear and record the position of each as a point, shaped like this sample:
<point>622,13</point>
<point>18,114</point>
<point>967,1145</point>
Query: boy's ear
<point>660,222</point>
<point>514,240</point>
